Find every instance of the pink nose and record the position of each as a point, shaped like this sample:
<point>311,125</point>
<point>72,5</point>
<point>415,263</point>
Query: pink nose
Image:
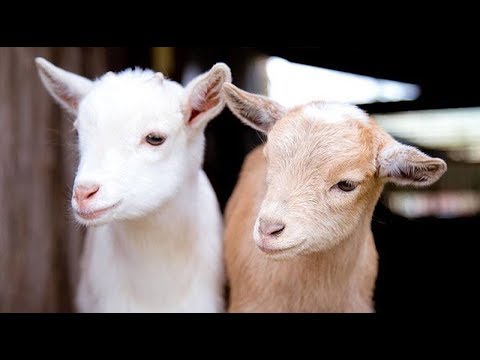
<point>85,192</point>
<point>270,228</point>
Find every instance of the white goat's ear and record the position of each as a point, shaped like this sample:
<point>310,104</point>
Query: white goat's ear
<point>406,165</point>
<point>256,111</point>
<point>203,99</point>
<point>66,88</point>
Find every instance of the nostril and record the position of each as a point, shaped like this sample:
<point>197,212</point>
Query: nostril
<point>84,192</point>
<point>269,228</point>
<point>278,229</point>
<point>92,192</point>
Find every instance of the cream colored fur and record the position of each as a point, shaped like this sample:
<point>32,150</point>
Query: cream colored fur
<point>325,259</point>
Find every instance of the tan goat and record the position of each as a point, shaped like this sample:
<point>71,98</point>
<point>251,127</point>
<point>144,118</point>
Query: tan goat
<point>298,226</point>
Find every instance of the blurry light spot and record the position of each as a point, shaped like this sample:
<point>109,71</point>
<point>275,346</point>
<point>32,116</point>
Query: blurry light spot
<point>441,204</point>
<point>292,84</point>
<point>457,131</point>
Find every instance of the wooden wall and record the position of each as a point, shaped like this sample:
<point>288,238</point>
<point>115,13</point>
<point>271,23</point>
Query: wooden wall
<point>39,242</point>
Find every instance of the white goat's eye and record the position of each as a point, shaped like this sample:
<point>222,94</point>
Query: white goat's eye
<point>346,185</point>
<point>155,139</point>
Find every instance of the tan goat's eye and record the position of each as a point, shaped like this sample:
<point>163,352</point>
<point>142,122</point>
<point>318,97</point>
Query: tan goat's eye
<point>346,185</point>
<point>155,139</point>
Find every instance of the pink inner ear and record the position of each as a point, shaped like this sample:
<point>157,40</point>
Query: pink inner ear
<point>209,101</point>
<point>71,101</point>
<point>193,115</point>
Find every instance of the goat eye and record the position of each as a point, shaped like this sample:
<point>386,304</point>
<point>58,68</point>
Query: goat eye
<point>346,185</point>
<point>154,139</point>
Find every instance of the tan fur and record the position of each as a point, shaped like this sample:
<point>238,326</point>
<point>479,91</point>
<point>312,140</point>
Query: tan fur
<point>327,260</point>
<point>340,279</point>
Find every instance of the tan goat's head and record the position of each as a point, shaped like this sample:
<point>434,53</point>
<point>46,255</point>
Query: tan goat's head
<point>326,167</point>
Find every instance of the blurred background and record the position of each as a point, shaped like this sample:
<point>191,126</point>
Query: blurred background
<point>425,237</point>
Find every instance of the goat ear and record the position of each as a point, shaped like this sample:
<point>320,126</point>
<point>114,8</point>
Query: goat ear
<point>256,111</point>
<point>66,88</point>
<point>406,165</point>
<point>203,99</point>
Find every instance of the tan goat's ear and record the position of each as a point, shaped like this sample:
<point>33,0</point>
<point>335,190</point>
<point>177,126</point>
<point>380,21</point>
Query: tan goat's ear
<point>203,95</point>
<point>406,165</point>
<point>256,111</point>
<point>66,88</point>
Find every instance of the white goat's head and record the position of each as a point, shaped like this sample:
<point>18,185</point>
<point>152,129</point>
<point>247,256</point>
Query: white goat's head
<point>326,166</point>
<point>140,136</point>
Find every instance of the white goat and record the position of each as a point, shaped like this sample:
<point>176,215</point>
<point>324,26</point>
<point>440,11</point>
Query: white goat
<point>154,237</point>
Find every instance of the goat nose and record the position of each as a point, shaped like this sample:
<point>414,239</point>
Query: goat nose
<point>84,192</point>
<point>269,228</point>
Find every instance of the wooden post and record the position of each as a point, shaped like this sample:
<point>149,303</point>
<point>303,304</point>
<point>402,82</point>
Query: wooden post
<point>40,244</point>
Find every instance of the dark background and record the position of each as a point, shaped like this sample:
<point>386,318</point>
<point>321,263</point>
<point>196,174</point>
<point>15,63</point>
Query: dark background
<point>426,264</point>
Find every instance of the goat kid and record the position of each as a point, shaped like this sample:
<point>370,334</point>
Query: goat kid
<point>298,225</point>
<point>154,236</point>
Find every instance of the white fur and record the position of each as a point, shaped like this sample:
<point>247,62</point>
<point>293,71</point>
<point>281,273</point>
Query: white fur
<point>334,112</point>
<point>159,249</point>
<point>159,263</point>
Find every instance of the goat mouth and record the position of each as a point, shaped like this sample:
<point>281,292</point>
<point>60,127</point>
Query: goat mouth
<point>95,214</point>
<point>279,251</point>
